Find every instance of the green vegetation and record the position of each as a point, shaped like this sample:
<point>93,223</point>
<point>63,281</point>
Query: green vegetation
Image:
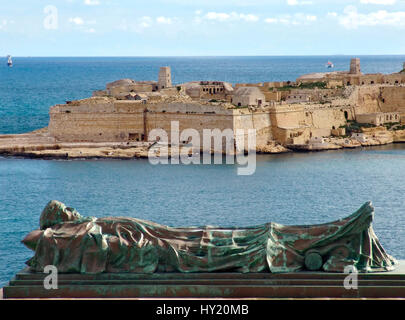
<point>393,126</point>
<point>313,85</point>
<point>240,107</point>
<point>399,127</point>
<point>285,88</point>
<point>309,85</point>
<point>353,126</point>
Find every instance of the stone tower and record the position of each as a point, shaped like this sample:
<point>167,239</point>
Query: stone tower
<point>355,66</point>
<point>165,78</point>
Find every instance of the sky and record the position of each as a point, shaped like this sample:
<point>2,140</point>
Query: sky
<point>201,27</point>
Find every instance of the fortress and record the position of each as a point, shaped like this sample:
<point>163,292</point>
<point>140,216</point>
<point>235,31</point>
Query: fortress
<point>314,107</point>
<point>318,111</point>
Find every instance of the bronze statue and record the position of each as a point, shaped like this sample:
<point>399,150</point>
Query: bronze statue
<point>76,244</point>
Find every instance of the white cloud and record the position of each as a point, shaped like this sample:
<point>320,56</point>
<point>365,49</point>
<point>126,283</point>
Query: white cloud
<point>382,2</point>
<point>298,3</point>
<point>3,24</point>
<point>83,25</point>
<point>217,16</point>
<point>164,20</point>
<point>271,20</point>
<point>249,17</point>
<point>352,19</point>
<point>91,2</point>
<point>233,16</point>
<point>76,20</point>
<point>296,19</point>
<point>332,14</point>
<point>145,22</point>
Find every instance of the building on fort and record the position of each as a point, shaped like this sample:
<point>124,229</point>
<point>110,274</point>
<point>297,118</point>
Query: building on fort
<point>165,78</point>
<point>209,90</point>
<point>355,66</point>
<point>379,118</point>
<point>248,97</point>
<point>298,98</point>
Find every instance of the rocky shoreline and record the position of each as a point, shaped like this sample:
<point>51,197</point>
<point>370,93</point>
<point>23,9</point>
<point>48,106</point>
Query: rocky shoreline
<point>40,145</point>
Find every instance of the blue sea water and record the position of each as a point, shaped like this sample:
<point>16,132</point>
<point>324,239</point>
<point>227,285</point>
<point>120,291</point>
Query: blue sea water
<point>288,189</point>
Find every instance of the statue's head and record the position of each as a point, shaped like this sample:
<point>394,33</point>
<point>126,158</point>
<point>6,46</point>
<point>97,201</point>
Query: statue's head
<point>56,212</point>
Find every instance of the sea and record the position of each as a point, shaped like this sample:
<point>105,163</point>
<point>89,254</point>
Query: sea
<point>295,188</point>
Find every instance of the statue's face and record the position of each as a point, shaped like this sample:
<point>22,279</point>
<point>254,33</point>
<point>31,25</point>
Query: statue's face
<point>56,212</point>
<point>70,214</point>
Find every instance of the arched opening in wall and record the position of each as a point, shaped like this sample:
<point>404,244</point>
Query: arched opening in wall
<point>372,82</point>
<point>383,100</point>
<point>333,128</point>
<point>348,83</point>
<point>239,104</point>
<point>396,82</point>
<point>346,115</point>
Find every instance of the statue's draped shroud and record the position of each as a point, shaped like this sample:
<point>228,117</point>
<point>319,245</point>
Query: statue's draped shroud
<point>77,244</point>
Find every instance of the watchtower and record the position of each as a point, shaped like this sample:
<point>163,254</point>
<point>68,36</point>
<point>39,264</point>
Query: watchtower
<point>165,78</point>
<point>355,66</point>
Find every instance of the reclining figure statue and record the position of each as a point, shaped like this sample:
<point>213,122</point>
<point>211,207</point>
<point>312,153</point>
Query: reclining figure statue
<point>76,244</point>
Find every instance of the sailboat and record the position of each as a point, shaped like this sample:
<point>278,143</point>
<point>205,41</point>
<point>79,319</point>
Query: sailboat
<point>9,61</point>
<point>330,65</point>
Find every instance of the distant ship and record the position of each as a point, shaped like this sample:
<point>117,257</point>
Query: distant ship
<point>9,61</point>
<point>330,65</point>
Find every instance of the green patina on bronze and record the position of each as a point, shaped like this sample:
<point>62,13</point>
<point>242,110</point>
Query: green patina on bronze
<point>76,244</point>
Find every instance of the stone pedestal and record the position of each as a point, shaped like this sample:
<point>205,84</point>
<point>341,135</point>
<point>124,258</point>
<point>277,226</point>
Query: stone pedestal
<point>27,284</point>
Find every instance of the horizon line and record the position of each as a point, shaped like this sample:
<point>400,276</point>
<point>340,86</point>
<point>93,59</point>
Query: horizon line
<point>207,56</point>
